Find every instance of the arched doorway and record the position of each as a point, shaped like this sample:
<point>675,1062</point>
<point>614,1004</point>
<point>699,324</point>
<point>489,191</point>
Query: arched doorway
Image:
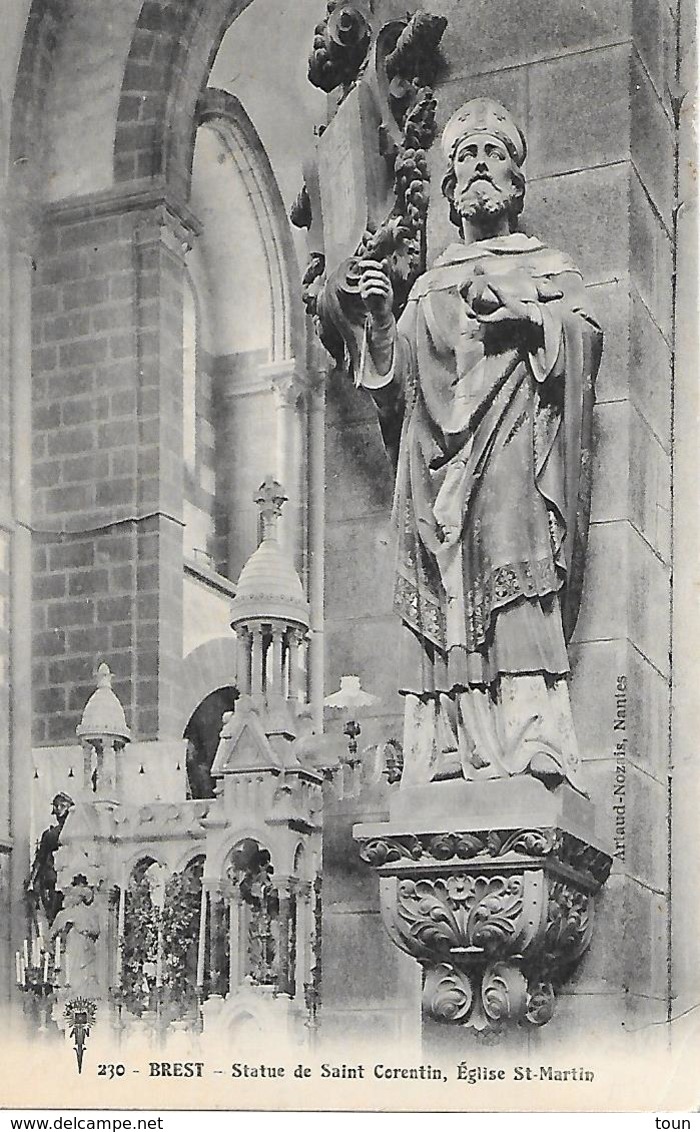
<point>251,873</point>
<point>202,735</point>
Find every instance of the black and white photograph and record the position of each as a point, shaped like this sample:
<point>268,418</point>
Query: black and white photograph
<point>349,517</point>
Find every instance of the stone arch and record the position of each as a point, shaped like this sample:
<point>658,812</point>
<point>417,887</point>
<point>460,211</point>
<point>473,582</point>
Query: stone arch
<point>189,856</point>
<point>143,853</point>
<point>202,733</point>
<point>174,45</point>
<point>208,667</point>
<point>34,75</point>
<point>66,96</point>
<point>246,1025</point>
<point>220,859</point>
<point>300,861</point>
<point>245,840</point>
<point>165,69</point>
<point>224,113</point>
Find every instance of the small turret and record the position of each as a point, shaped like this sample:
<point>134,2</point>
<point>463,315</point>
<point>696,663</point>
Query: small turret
<point>103,732</point>
<point>269,613</point>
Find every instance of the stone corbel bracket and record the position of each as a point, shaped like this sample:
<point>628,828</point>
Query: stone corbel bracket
<point>497,918</point>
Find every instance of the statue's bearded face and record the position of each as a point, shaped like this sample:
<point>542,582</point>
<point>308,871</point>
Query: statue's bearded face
<point>484,182</point>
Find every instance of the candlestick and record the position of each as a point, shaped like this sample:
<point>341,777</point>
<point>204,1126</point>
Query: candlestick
<point>202,937</point>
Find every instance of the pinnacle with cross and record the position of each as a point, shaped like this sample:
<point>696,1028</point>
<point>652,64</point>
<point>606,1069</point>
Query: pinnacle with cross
<point>270,497</point>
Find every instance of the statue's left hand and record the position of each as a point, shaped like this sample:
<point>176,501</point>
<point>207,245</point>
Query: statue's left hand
<point>510,298</point>
<point>510,309</point>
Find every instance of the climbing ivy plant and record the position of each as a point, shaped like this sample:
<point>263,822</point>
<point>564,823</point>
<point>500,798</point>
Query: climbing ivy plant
<point>179,926</point>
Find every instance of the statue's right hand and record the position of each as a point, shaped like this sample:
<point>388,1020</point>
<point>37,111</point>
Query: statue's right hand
<point>376,291</point>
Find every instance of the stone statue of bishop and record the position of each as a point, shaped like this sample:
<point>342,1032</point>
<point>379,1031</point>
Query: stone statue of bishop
<point>490,369</point>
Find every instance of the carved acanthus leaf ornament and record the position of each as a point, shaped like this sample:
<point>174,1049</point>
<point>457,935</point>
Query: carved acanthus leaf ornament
<point>497,919</point>
<point>453,847</point>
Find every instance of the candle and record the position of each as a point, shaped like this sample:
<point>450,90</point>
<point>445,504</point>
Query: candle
<point>24,973</point>
<point>18,967</point>
<point>25,949</point>
<point>46,966</point>
<point>36,956</point>
<point>57,953</point>
<point>202,937</point>
<point>67,970</point>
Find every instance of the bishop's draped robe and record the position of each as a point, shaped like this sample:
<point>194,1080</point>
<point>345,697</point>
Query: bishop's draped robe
<point>491,431</point>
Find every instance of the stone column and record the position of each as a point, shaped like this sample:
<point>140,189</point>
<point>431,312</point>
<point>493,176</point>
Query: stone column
<point>256,662</point>
<point>304,928</point>
<point>295,639</point>
<point>277,684</point>
<point>15,533</point>
<point>216,941</point>
<point>113,951</point>
<point>160,244</point>
<point>202,939</point>
<point>121,917</point>
<point>284,975</point>
<point>313,989</point>
<point>289,387</point>
<point>236,970</point>
<point>317,488</point>
<point>243,659</point>
<point>108,481</point>
<point>245,409</point>
<point>104,947</point>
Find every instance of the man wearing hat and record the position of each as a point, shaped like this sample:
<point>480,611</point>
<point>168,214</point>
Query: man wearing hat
<point>491,369</point>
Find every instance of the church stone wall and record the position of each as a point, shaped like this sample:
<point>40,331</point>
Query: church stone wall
<point>590,85</point>
<point>360,628</point>
<point>686,528</point>
<point>5,539</point>
<point>371,989</point>
<point>590,88</point>
<point>107,478</point>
